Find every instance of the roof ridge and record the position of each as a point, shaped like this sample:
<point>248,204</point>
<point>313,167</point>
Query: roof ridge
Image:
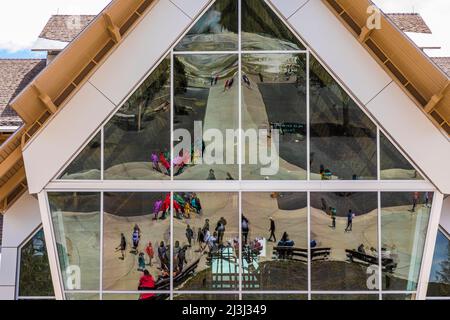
<point>403,13</point>
<point>22,59</point>
<point>70,15</point>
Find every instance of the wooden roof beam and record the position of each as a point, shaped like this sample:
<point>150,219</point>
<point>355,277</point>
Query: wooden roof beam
<point>11,161</point>
<point>45,99</point>
<point>436,99</point>
<point>365,34</point>
<point>12,183</point>
<point>114,31</point>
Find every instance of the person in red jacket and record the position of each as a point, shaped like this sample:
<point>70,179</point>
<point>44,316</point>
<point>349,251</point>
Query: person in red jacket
<point>146,283</point>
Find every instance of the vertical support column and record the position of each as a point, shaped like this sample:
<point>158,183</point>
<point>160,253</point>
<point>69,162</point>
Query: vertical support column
<point>50,242</point>
<point>428,252</point>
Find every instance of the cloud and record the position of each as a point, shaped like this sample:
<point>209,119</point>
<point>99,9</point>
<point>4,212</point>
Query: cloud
<point>21,21</point>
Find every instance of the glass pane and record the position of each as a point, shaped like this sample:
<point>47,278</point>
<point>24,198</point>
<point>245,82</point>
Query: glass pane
<point>275,255</point>
<point>439,284</point>
<point>206,235</point>
<point>344,241</point>
<point>263,30</point>
<point>34,277</point>
<point>137,138</point>
<point>206,296</point>
<point>76,223</point>
<point>82,296</point>
<point>343,138</point>
<point>394,166</point>
<point>144,296</point>
<point>404,223</point>
<point>345,297</point>
<point>274,99</point>
<point>274,296</point>
<point>206,107</point>
<point>216,30</point>
<point>136,241</point>
<point>86,166</point>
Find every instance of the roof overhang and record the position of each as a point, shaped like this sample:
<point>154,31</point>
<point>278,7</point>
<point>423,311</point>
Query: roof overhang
<point>42,44</point>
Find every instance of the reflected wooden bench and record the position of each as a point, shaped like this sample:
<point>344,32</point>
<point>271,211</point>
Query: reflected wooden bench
<point>300,254</point>
<point>388,264</point>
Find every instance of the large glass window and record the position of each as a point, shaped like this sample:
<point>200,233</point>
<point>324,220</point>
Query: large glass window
<point>274,98</point>
<point>137,138</point>
<point>76,224</point>
<point>439,284</point>
<point>394,166</point>
<point>344,241</point>
<point>404,223</point>
<point>136,241</point>
<point>263,30</point>
<point>240,110</point>
<point>206,241</point>
<point>206,107</point>
<point>343,138</point>
<point>87,164</point>
<point>216,30</point>
<point>244,101</point>
<point>34,274</point>
<point>275,241</point>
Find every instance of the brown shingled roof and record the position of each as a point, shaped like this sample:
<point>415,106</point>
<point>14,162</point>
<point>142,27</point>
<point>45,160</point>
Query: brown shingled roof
<point>15,74</point>
<point>409,22</point>
<point>65,27</point>
<point>443,63</point>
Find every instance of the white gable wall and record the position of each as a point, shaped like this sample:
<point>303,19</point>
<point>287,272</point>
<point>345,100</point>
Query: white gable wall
<point>20,221</point>
<point>128,65</point>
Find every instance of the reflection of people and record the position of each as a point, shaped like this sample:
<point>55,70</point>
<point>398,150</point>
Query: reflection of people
<point>189,235</point>
<point>427,199</point>
<point>285,241</point>
<point>220,228</point>
<point>333,217</point>
<point>361,249</point>
<point>150,252</point>
<point>135,237</point>
<point>415,199</point>
<point>349,221</point>
<point>162,254</point>
<point>157,208</point>
<point>195,203</point>
<point>272,230</point>
<point>122,246</point>
<point>181,258</point>
<point>245,228</point>
<point>200,239</point>
<point>141,262</point>
<point>146,283</point>
<point>211,175</point>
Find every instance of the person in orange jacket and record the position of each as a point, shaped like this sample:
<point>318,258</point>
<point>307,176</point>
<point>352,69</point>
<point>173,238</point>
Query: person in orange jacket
<point>150,253</point>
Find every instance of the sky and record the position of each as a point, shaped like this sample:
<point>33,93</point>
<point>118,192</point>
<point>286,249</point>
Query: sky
<point>22,20</point>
